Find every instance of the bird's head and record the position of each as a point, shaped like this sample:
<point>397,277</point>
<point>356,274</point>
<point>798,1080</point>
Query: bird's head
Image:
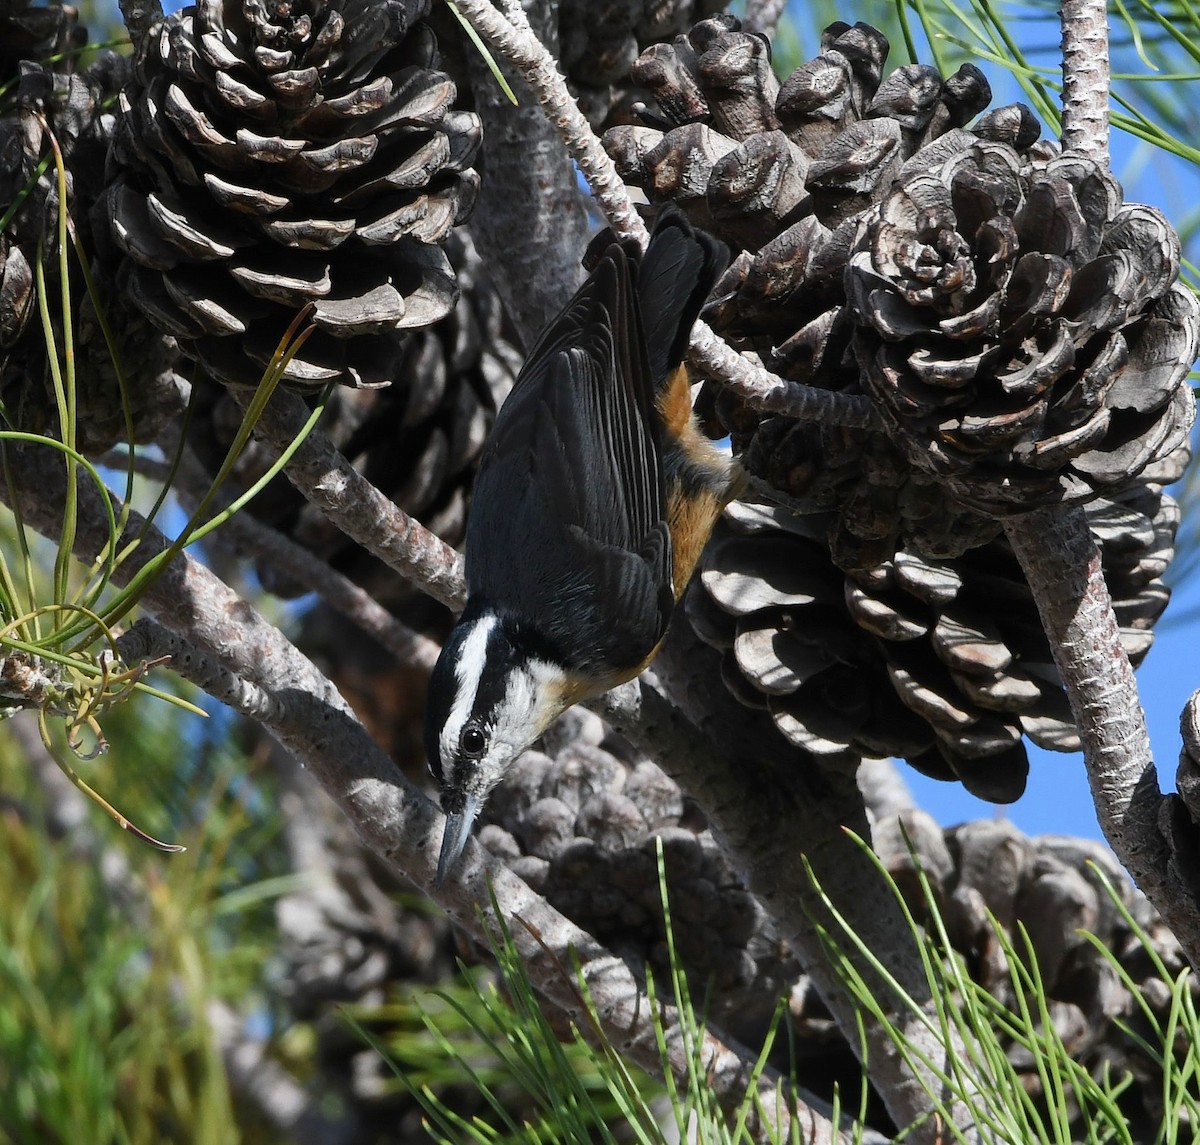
<point>489,699</point>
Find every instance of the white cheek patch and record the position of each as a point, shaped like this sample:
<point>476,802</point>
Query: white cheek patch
<point>529,706</point>
<point>467,673</point>
<point>516,714</point>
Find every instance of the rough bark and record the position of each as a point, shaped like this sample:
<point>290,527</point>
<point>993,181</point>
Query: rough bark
<point>329,481</point>
<point>1086,77</point>
<point>1142,826</point>
<point>247,538</point>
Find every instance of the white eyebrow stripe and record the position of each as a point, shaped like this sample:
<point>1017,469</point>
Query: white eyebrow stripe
<point>467,672</point>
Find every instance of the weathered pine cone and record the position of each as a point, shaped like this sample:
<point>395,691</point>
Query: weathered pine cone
<point>270,157</point>
<point>578,821</point>
<point>1051,886</point>
<point>599,42</point>
<point>417,440</point>
<point>1021,331</point>
<point>784,173</point>
<point>37,33</point>
<point>875,503</point>
<point>941,663</point>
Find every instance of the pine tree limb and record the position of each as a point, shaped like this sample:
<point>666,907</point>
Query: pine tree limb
<point>1063,567</point>
<point>248,537</point>
<point>362,512</point>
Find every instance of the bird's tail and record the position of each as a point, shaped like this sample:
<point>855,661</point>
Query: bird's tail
<point>677,273</point>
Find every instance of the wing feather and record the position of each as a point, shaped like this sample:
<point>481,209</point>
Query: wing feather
<point>568,522</point>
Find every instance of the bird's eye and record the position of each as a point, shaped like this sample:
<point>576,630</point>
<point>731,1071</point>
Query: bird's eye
<point>472,741</point>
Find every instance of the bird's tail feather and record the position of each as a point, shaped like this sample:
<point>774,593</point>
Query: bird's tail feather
<point>677,273</point>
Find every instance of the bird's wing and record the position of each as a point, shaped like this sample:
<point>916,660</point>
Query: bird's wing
<point>568,518</point>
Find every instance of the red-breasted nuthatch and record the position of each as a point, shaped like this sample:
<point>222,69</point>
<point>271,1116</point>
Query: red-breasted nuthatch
<point>595,496</point>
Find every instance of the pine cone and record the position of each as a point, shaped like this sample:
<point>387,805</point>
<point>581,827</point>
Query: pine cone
<point>912,662</point>
<point>1022,332</point>
<point>578,821</point>
<point>598,43</point>
<point>36,34</point>
<point>942,663</point>
<point>784,173</point>
<point>270,157</point>
<point>36,98</point>
<point>418,440</point>
<point>1050,886</point>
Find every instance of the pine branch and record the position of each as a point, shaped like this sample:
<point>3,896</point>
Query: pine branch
<point>362,512</point>
<point>401,826</point>
<point>249,538</point>
<point>1064,570</point>
<point>1063,567</point>
<point>1086,76</point>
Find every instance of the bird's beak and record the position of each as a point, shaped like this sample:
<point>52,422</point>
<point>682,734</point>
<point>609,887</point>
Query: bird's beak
<point>454,840</point>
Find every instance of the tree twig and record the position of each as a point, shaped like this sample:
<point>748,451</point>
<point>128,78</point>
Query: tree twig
<point>1086,77</point>
<point>350,501</point>
<point>770,393</point>
<point>884,790</point>
<point>252,538</point>
<point>280,1099</point>
<point>247,537</point>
